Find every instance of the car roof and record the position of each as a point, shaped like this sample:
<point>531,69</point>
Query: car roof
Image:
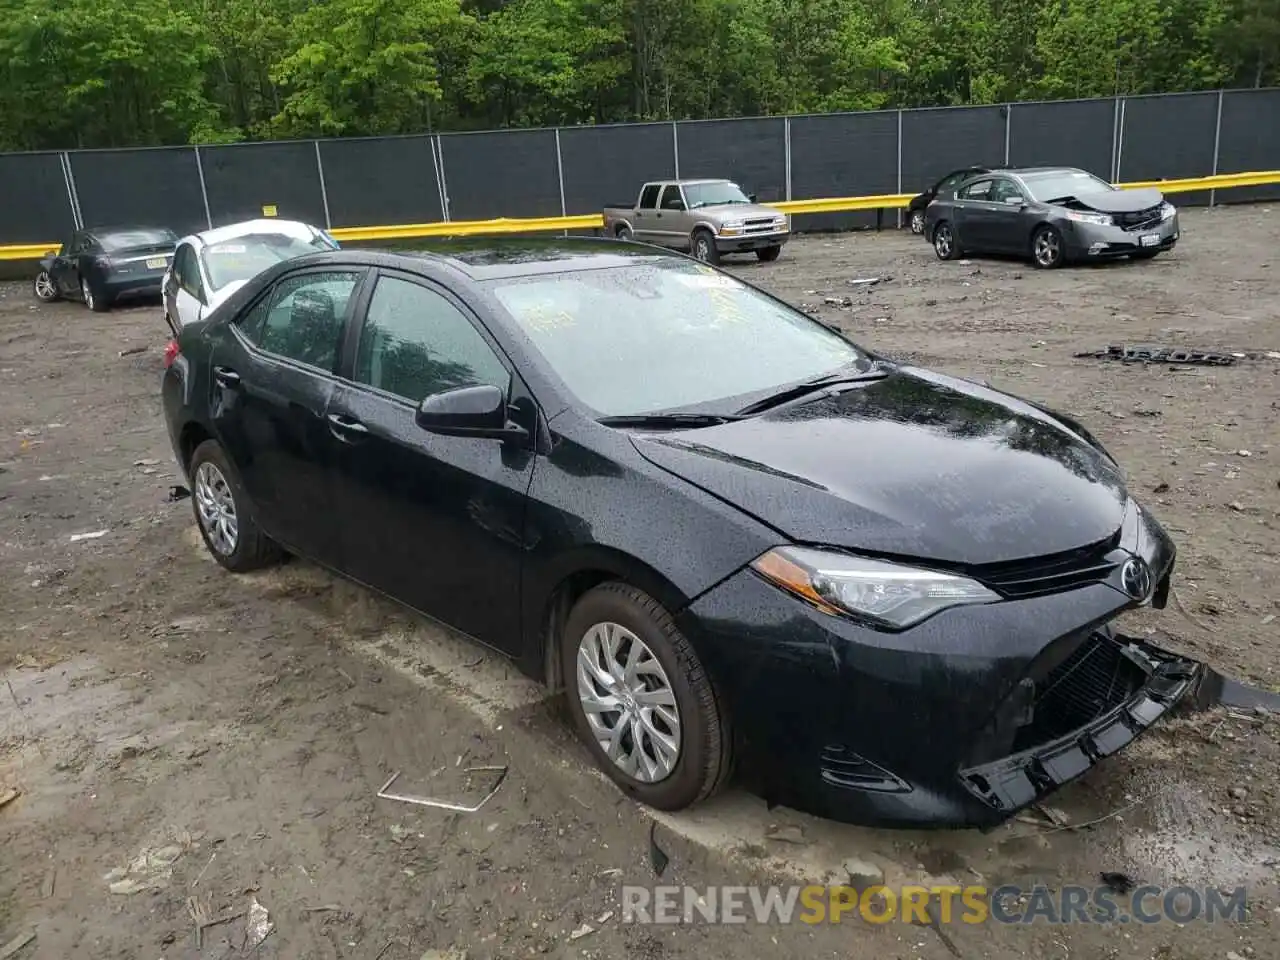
<point>290,228</point>
<point>489,258</point>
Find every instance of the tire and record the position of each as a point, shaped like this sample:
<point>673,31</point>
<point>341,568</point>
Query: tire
<point>1046,248</point>
<point>768,254</point>
<point>92,298</point>
<point>214,482</point>
<point>703,246</point>
<point>702,762</point>
<point>623,232</point>
<point>44,288</point>
<point>916,222</point>
<point>944,242</point>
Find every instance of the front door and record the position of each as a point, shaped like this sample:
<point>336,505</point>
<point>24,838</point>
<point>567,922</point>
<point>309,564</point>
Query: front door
<point>671,229</point>
<point>436,522</point>
<point>64,270</point>
<point>272,377</point>
<point>974,215</point>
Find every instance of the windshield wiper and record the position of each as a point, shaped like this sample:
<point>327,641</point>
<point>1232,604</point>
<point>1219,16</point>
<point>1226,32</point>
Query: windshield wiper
<point>803,389</point>
<point>668,420</point>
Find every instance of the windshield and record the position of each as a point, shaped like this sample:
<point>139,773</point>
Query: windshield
<point>709,194</point>
<point>136,239</point>
<point>1055,186</point>
<point>652,337</point>
<point>245,257</point>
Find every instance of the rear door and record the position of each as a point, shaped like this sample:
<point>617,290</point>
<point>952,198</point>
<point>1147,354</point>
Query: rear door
<point>975,214</point>
<point>63,269</point>
<point>437,522</point>
<point>272,377</point>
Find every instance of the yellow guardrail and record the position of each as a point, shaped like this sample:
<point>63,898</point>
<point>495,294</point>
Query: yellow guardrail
<point>592,221</point>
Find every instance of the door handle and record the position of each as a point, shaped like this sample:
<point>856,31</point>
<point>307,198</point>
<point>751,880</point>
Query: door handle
<point>226,377</point>
<point>340,423</point>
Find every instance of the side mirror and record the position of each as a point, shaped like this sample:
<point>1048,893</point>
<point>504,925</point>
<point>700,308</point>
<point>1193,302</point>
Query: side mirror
<point>469,412</point>
<point>1015,201</point>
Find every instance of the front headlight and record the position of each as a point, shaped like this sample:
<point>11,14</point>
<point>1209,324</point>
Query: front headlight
<point>1167,210</point>
<point>732,226</point>
<point>1098,219</point>
<point>890,594</point>
<point>782,223</point>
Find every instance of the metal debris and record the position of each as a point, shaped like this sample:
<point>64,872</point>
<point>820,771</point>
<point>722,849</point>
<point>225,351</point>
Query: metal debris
<point>129,352</point>
<point>581,932</point>
<point>869,281</point>
<point>445,804</point>
<point>1150,353</point>
<point>837,301</point>
<point>77,537</point>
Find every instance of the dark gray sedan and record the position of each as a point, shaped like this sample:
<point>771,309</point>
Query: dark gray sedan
<point>1051,214</point>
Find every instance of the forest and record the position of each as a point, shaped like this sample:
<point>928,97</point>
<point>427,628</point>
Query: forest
<point>116,73</point>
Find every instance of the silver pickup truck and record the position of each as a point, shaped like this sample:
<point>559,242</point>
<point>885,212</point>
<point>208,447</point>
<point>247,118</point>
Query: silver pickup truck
<point>704,217</point>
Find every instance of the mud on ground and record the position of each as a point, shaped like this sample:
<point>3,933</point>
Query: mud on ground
<point>190,743</point>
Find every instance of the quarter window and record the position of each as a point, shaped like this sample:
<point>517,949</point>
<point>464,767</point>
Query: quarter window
<point>303,317</point>
<point>416,343</point>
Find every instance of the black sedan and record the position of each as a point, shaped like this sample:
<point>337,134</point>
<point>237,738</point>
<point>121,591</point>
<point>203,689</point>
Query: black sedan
<point>919,203</point>
<point>1054,215</point>
<point>725,530</point>
<point>104,264</point>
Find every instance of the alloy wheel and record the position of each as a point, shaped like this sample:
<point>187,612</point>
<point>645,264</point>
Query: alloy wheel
<point>629,702</point>
<point>942,241</point>
<point>87,292</point>
<point>45,288</point>
<point>917,221</point>
<point>1047,248</point>
<point>702,249</point>
<point>216,509</point>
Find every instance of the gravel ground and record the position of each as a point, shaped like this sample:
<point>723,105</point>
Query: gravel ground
<point>185,741</point>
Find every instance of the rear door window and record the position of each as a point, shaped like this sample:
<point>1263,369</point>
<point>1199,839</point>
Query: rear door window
<point>303,317</point>
<point>649,196</point>
<point>978,190</point>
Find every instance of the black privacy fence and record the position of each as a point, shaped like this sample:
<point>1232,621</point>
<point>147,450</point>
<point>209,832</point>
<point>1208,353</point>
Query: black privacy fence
<point>577,170</point>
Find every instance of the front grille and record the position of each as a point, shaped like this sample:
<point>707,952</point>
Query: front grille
<point>1139,219</point>
<point>1096,678</point>
<point>1053,573</point>
<point>761,226</point>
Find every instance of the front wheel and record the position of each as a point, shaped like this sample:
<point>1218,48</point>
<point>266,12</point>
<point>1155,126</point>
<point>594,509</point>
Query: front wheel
<point>704,247</point>
<point>46,290</point>
<point>1046,248</point>
<point>642,700</point>
<point>92,299</point>
<point>769,254</point>
<point>223,513</point>
<point>944,242</point>
<point>917,222</point>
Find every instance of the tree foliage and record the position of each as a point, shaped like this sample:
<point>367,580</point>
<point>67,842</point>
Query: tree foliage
<point>103,73</point>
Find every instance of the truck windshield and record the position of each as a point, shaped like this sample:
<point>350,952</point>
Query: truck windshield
<point>711,194</point>
<point>664,336</point>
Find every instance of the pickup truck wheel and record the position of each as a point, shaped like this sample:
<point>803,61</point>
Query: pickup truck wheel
<point>623,232</point>
<point>704,247</point>
<point>769,254</point>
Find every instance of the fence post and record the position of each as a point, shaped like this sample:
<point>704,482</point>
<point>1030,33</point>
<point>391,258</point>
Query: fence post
<point>68,179</point>
<point>1008,123</point>
<point>1120,139</point>
<point>675,147</point>
<point>786,139</point>
<point>204,192</point>
<point>564,212</point>
<point>899,211</point>
<point>444,184</point>
<point>1217,140</point>
<point>324,193</point>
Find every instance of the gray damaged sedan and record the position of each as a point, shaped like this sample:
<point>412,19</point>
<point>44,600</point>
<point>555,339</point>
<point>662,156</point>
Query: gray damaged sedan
<point>1052,215</point>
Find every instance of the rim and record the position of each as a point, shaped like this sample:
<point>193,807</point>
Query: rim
<point>942,241</point>
<point>44,285</point>
<point>702,249</point>
<point>624,233</point>
<point>917,222</point>
<point>87,293</point>
<point>1046,248</point>
<point>629,703</point>
<point>216,509</point>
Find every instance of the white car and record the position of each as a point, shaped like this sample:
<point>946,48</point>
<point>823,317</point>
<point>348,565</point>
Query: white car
<point>208,267</point>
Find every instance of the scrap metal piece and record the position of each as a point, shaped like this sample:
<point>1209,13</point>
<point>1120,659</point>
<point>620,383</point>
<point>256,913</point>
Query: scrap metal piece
<point>1151,353</point>
<point>446,804</point>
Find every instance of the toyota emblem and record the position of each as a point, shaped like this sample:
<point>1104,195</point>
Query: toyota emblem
<point>1135,577</point>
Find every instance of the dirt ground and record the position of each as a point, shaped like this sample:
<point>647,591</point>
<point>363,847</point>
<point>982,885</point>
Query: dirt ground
<point>186,743</point>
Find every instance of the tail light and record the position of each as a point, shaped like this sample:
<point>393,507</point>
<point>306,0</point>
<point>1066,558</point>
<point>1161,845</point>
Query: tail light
<point>171,352</point>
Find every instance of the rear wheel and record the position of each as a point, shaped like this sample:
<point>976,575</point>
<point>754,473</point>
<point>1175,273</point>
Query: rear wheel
<point>769,254</point>
<point>94,300</point>
<point>624,232</point>
<point>223,514</point>
<point>1046,248</point>
<point>642,700</point>
<point>917,221</point>
<point>45,289</point>
<point>704,247</point>
<point>944,242</point>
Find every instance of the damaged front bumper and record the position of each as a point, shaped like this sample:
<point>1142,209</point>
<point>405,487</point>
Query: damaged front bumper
<point>1087,241</point>
<point>1148,682</point>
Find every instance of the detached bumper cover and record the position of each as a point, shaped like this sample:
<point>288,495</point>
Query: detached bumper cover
<point>1013,782</point>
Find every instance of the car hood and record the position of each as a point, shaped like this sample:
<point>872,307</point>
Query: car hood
<point>736,211</point>
<point>1119,201</point>
<point>914,465</point>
